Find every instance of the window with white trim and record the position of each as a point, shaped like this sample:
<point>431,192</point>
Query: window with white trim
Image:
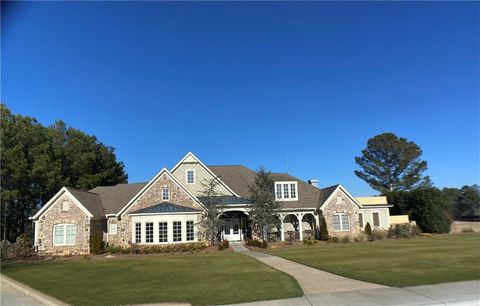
<point>286,191</point>
<point>149,232</point>
<point>65,206</point>
<point>360,220</point>
<point>376,219</point>
<point>190,231</point>
<point>162,232</point>
<point>165,194</point>
<point>64,234</point>
<point>112,228</point>
<point>177,231</point>
<point>190,176</point>
<point>341,222</point>
<point>138,232</point>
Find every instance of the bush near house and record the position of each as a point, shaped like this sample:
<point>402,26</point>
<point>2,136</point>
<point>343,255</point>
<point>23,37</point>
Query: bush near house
<point>257,243</point>
<point>159,249</point>
<point>403,231</point>
<point>22,248</point>
<point>96,243</point>
<point>323,229</point>
<point>223,245</point>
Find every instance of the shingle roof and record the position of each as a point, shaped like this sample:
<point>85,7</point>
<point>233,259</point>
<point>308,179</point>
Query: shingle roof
<point>237,177</point>
<point>91,201</point>
<point>114,198</point>
<point>227,200</point>
<point>163,208</point>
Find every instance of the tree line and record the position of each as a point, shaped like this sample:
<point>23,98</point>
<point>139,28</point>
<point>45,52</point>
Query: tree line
<point>393,166</point>
<point>36,161</point>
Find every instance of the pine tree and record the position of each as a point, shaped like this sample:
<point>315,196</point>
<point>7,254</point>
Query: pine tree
<point>323,229</point>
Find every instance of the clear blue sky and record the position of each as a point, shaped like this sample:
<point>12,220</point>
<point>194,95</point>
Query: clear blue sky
<point>253,82</point>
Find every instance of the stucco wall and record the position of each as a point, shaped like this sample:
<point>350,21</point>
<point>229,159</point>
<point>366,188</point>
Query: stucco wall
<point>384,217</point>
<point>150,197</point>
<point>54,215</point>
<point>200,176</point>
<point>346,205</point>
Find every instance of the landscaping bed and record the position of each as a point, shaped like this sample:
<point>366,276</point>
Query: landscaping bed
<point>200,279</point>
<point>395,262</point>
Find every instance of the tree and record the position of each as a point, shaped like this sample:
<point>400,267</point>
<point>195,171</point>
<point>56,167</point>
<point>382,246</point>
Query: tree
<point>323,229</point>
<point>368,229</point>
<point>390,163</point>
<point>265,208</point>
<point>37,161</point>
<point>466,204</point>
<point>427,206</point>
<point>211,223</point>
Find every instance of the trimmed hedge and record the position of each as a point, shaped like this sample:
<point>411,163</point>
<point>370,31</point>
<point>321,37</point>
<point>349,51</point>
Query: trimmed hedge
<point>159,249</point>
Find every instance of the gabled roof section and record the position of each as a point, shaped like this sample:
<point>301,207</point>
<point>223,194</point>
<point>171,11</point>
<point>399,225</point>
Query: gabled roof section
<point>190,157</point>
<point>332,191</point>
<point>238,177</point>
<point>164,208</point>
<point>114,198</point>
<point>151,182</point>
<point>89,200</point>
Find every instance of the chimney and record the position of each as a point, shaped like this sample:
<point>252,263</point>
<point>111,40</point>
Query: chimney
<point>313,182</point>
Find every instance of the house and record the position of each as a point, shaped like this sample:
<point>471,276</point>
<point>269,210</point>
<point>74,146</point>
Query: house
<point>168,208</point>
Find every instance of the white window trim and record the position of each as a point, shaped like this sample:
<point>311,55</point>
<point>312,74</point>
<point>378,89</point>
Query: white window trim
<point>379,221</point>
<point>168,194</point>
<point>158,232</point>
<point>144,232</point>
<point>194,176</point>
<point>181,231</point>
<point>110,232</point>
<point>341,223</point>
<point>363,220</point>
<point>186,231</point>
<point>134,232</point>
<point>289,191</point>
<point>64,234</point>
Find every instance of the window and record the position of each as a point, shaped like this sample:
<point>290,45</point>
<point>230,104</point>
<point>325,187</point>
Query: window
<point>190,231</point>
<point>190,176</point>
<point>112,230</point>
<point>162,232</point>
<point>177,231</point>
<point>360,220</point>
<point>165,194</point>
<point>341,222</point>
<point>376,219</point>
<point>286,191</point>
<point>64,234</point>
<point>65,206</point>
<point>339,200</point>
<point>138,232</point>
<point>149,232</point>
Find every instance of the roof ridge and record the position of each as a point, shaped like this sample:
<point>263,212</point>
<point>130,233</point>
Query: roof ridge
<point>76,189</point>
<point>236,165</point>
<point>336,185</point>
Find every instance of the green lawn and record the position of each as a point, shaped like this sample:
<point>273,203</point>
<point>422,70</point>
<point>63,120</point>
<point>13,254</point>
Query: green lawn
<point>218,278</point>
<point>400,263</point>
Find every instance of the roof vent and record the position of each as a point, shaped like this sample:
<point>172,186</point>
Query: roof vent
<point>313,182</point>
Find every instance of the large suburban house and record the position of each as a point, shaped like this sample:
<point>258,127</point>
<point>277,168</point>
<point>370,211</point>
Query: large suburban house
<point>168,208</point>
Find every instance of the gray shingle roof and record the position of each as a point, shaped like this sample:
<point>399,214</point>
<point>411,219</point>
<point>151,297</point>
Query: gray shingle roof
<point>163,208</point>
<point>114,198</point>
<point>91,201</point>
<point>237,177</point>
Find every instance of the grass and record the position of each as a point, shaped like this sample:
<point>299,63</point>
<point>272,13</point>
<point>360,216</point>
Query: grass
<point>218,278</point>
<point>399,263</point>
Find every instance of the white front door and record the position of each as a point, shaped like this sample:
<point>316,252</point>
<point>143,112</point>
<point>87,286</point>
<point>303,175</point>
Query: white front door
<point>232,230</point>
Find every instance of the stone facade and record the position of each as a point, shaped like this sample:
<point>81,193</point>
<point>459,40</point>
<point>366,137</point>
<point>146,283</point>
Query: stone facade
<point>341,203</point>
<point>150,197</point>
<point>56,215</point>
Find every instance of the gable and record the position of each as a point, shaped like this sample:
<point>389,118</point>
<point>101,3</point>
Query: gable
<point>202,173</point>
<point>151,194</point>
<point>55,205</point>
<point>340,201</point>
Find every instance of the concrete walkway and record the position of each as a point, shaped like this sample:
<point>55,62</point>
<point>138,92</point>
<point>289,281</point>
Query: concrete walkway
<point>324,288</point>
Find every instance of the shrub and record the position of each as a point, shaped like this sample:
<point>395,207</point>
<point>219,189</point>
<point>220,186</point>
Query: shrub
<point>264,244</point>
<point>96,243</point>
<point>379,234</point>
<point>223,245</point>
<point>403,231</point>
<point>22,248</point>
<point>467,230</point>
<point>360,237</point>
<point>310,242</point>
<point>346,238</point>
<point>368,229</point>
<point>323,229</point>
<point>159,249</point>
<point>333,239</point>
<point>256,243</point>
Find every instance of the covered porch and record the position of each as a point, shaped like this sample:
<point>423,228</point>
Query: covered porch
<point>299,225</point>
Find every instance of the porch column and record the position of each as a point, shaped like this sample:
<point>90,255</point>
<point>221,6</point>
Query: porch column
<point>282,228</point>
<point>300,226</point>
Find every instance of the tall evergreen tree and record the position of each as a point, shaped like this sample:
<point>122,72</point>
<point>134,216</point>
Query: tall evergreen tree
<point>265,208</point>
<point>211,223</point>
<point>390,163</point>
<point>36,161</point>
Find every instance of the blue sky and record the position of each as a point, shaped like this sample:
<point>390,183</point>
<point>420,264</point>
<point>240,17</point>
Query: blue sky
<point>253,83</point>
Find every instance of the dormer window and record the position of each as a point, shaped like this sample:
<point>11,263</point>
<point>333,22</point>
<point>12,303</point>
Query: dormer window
<point>190,176</point>
<point>165,194</point>
<point>286,191</point>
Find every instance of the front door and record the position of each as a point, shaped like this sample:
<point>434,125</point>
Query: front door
<point>232,230</point>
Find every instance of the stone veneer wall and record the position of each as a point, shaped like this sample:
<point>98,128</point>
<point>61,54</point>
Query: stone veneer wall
<point>151,197</point>
<point>346,206</point>
<point>55,215</point>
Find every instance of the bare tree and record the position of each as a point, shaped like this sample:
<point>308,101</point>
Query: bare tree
<point>211,223</point>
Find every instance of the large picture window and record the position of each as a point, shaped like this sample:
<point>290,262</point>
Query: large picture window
<point>190,231</point>
<point>177,231</point>
<point>64,234</point>
<point>341,222</point>
<point>149,232</point>
<point>162,232</point>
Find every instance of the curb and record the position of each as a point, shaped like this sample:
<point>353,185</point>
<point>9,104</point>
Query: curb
<point>32,293</point>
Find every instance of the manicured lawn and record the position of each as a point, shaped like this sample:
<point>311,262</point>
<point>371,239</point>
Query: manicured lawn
<point>217,278</point>
<point>400,263</point>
